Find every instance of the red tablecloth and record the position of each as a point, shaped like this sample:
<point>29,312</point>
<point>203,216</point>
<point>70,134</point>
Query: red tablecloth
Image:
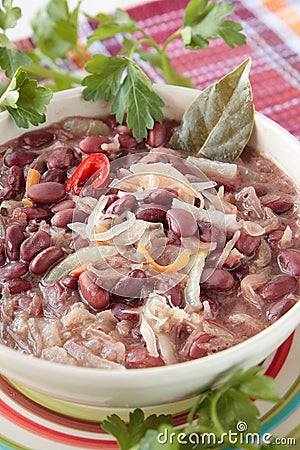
<point>272,28</point>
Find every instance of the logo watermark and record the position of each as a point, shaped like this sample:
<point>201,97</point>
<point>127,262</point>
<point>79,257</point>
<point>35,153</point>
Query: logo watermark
<point>239,436</point>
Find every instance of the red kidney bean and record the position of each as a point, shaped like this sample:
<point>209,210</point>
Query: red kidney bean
<point>199,347</point>
<point>160,197</point>
<point>289,261</point>
<point>126,203</point>
<point>140,358</point>
<point>61,158</point>
<point>123,129</point>
<point>54,175</point>
<point>111,198</point>
<point>2,254</point>
<point>49,192</point>
<point>97,297</point>
<point>211,233</point>
<point>18,286</point>
<point>15,178</point>
<point>13,270</point>
<point>13,240</point>
<point>7,193</point>
<point>62,218</point>
<point>278,287</point>
<point>247,244</point>
<point>131,285</point>
<point>217,280</point>
<point>275,236</point>
<point>158,135</point>
<point>70,282</point>
<point>151,213</point>
<point>261,189</point>
<point>173,295</point>
<point>19,158</point>
<point>92,144</point>
<point>44,260</point>
<point>279,205</point>
<point>127,141</point>
<point>280,308</point>
<point>40,166</point>
<point>63,205</point>
<point>181,222</point>
<point>121,311</point>
<point>33,213</point>
<point>33,245</point>
<point>172,238</point>
<point>79,242</point>
<point>37,139</point>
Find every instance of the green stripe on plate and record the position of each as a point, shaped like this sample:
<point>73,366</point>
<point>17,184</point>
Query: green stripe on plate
<point>7,444</point>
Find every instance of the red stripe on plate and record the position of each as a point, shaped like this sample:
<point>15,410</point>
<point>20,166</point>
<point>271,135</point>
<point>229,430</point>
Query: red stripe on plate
<point>280,357</point>
<point>57,436</point>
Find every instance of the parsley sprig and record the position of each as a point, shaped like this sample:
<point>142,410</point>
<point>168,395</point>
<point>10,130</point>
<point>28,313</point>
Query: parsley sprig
<point>120,78</point>
<point>216,412</point>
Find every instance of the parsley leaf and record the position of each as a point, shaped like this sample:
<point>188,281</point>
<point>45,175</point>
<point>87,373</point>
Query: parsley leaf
<point>106,77</point>
<point>56,29</point>
<point>25,100</point>
<point>11,59</point>
<point>120,79</point>
<point>130,435</point>
<point>112,25</point>
<point>203,22</point>
<point>138,100</point>
<point>9,15</point>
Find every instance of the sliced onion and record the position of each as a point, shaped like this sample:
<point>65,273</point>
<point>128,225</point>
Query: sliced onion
<point>203,185</point>
<point>87,358</point>
<point>159,168</point>
<point>97,214</point>
<point>263,254</point>
<point>83,255</point>
<point>287,238</point>
<point>166,346</point>
<point>250,283</point>
<point>216,168</point>
<point>115,230</point>
<point>227,249</point>
<point>271,221</point>
<point>252,228</point>
<point>250,202</point>
<point>192,288</point>
<point>149,337</point>
<point>86,204</point>
<point>79,228</point>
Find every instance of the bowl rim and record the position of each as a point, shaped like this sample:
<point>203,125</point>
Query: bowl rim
<point>138,375</point>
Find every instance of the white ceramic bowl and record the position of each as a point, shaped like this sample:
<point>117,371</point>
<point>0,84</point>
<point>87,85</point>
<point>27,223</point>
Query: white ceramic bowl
<point>55,385</point>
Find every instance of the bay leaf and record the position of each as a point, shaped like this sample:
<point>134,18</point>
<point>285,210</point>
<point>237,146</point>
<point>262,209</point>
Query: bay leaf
<point>219,123</point>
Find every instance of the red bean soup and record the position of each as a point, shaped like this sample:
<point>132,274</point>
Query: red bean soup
<point>120,254</point>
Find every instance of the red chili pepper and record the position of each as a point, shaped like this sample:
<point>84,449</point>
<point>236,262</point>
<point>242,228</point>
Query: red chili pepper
<point>95,167</point>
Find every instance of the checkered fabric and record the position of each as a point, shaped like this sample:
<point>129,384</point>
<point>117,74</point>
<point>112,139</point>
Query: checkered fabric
<point>272,28</point>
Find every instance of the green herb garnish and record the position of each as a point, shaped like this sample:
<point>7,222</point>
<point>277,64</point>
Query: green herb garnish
<point>217,412</point>
<point>119,79</point>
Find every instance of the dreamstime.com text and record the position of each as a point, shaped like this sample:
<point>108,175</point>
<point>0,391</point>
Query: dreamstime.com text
<point>238,437</point>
